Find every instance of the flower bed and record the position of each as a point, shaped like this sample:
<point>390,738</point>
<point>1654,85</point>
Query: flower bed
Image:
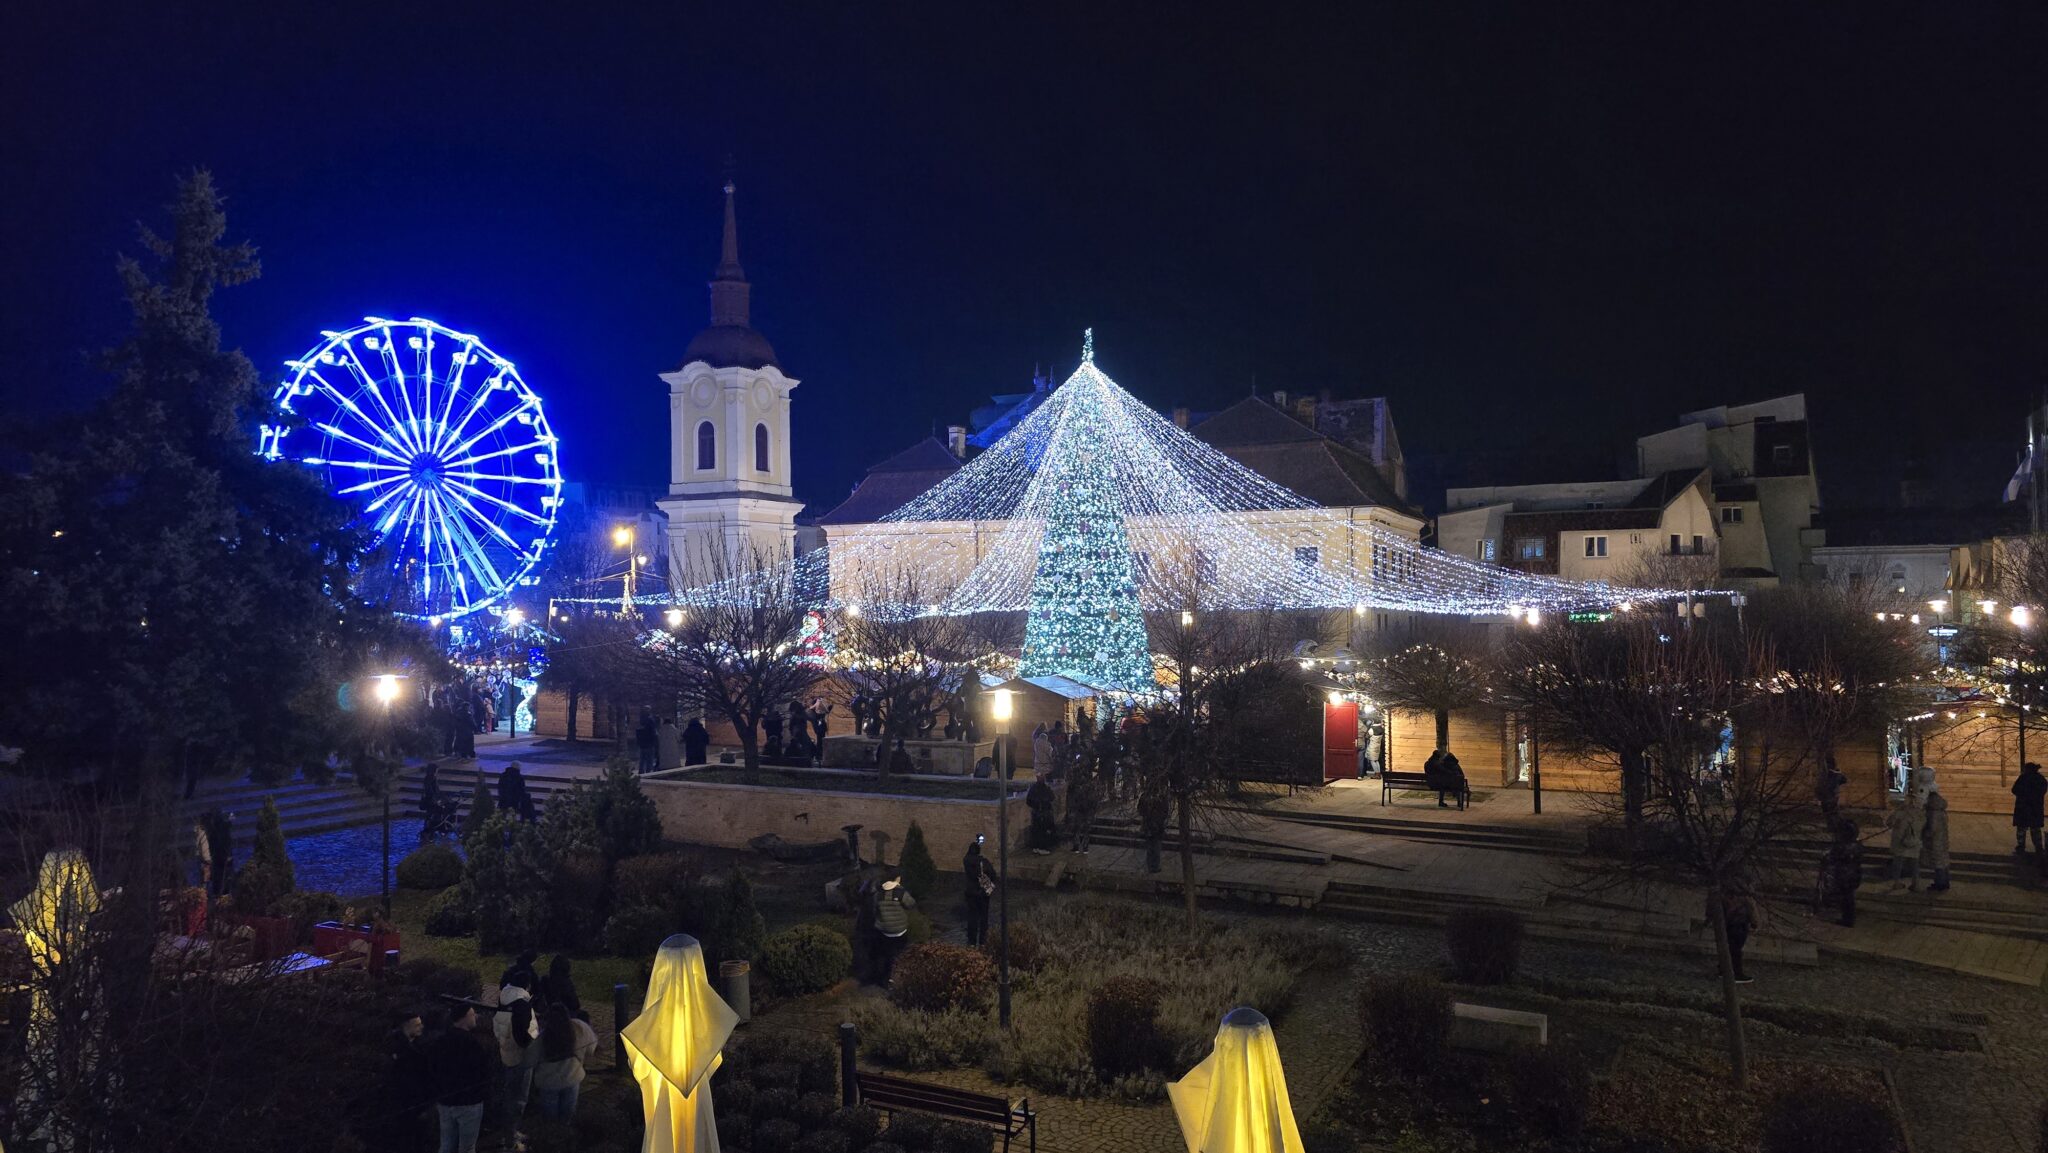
<point>1089,943</point>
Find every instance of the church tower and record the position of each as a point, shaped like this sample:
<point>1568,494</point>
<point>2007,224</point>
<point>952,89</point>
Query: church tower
<point>729,495</point>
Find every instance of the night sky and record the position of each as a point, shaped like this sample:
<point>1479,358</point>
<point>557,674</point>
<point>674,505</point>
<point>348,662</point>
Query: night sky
<point>1541,230</point>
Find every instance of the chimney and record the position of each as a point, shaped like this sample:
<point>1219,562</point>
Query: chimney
<point>1180,417</point>
<point>1280,401</point>
<point>956,440</point>
<point>1305,410</point>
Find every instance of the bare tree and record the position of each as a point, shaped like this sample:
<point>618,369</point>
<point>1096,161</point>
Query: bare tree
<point>906,663</point>
<point>594,654</point>
<point>1834,670</point>
<point>734,648</point>
<point>1439,666</point>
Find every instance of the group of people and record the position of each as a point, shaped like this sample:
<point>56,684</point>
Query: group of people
<point>538,1042</point>
<point>1917,836</point>
<point>464,708</point>
<point>662,745</point>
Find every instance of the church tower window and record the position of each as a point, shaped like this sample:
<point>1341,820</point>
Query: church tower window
<point>760,448</point>
<point>707,446</point>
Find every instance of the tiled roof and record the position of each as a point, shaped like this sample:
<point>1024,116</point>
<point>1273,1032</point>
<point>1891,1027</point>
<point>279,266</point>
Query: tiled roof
<point>895,482</point>
<point>1290,454</point>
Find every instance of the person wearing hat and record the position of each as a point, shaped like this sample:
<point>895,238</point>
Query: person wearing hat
<point>892,923</point>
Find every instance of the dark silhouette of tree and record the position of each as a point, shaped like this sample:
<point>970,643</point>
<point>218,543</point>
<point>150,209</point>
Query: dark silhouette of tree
<point>1439,666</point>
<point>908,666</point>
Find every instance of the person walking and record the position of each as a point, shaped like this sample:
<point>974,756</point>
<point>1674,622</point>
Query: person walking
<point>1738,910</point>
<point>565,1047</point>
<point>892,923</point>
<point>512,794</point>
<point>1905,824</point>
<point>1934,841</point>
<point>696,742</point>
<point>461,1065</point>
<point>981,888</point>
<point>2027,792</point>
<point>430,790</point>
<point>1841,871</point>
<point>1152,814</point>
<point>648,740</point>
<point>1039,800</point>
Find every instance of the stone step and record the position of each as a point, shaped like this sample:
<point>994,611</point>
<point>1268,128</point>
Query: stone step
<point>1472,835</point>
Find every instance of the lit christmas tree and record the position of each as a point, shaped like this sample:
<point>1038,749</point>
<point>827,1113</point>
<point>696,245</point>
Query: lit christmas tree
<point>1084,619</point>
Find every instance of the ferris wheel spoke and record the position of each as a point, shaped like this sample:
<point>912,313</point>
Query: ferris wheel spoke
<point>478,515</point>
<point>479,458</point>
<point>349,404</point>
<point>411,511</point>
<point>501,502</point>
<point>359,442</point>
<point>369,383</point>
<point>464,542</point>
<point>398,382</point>
<point>360,465</point>
<point>494,426</point>
<point>385,499</point>
<point>379,482</point>
<point>505,478</point>
<point>454,388</point>
<point>424,366</point>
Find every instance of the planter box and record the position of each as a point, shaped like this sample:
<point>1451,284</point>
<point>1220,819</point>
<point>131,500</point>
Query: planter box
<point>331,937</point>
<point>272,937</point>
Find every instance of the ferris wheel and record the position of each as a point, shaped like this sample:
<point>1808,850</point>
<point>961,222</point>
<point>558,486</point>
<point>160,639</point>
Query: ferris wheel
<point>444,446</point>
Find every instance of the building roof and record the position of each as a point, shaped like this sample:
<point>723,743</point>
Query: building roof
<point>1644,510</point>
<point>1289,453</point>
<point>895,482</point>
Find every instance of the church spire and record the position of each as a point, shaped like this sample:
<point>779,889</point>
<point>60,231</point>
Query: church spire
<point>729,288</point>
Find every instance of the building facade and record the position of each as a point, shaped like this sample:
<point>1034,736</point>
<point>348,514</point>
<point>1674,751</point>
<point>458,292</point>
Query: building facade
<point>1621,532</point>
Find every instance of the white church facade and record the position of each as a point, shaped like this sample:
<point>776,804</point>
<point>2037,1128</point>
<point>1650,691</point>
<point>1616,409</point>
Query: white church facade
<point>729,496</point>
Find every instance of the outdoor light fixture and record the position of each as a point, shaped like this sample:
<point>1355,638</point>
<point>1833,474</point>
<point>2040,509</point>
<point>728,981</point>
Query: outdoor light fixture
<point>515,617</point>
<point>1187,620</point>
<point>622,536</point>
<point>2021,616</point>
<point>1914,619</point>
<point>1940,606</point>
<point>675,618</point>
<point>1336,698</point>
<point>386,689</point>
<point>1880,616</point>
<point>999,708</point>
<point>1535,617</point>
<point>1987,606</point>
<point>853,610</point>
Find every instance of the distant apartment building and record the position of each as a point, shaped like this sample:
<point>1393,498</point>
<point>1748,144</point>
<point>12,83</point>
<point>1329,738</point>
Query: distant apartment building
<point>1620,532</point>
<point>1764,490</point>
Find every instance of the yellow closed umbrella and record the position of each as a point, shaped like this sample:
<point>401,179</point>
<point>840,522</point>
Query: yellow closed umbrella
<point>1235,1101</point>
<point>674,1045</point>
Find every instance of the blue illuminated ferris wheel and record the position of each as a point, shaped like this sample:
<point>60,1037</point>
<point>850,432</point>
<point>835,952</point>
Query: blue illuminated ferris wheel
<point>442,443</point>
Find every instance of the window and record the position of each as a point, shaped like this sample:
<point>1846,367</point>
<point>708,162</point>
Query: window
<point>1486,549</point>
<point>1529,548</point>
<point>760,448</point>
<point>1308,556</point>
<point>1731,514</point>
<point>1596,546</point>
<point>1699,545</point>
<point>1781,455</point>
<point>707,446</point>
<point>1675,549</point>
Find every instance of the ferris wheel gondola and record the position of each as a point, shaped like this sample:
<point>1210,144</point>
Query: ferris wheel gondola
<point>446,449</point>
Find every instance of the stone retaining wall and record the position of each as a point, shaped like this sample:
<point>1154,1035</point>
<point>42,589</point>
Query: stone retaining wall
<point>704,813</point>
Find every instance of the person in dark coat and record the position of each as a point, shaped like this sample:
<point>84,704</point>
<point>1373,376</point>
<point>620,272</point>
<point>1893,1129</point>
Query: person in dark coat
<point>408,1085</point>
<point>1827,792</point>
<point>512,794</point>
<point>1451,774</point>
<point>520,973</point>
<point>899,761</point>
<point>463,1064</point>
<point>1739,909</point>
<point>648,738</point>
<point>1040,800</point>
<point>1841,871</point>
<point>220,839</point>
<point>1153,809</point>
<point>430,788</point>
<point>981,887</point>
<point>465,728</point>
<point>696,742</point>
<point>559,987</point>
<point>771,727</point>
<point>2027,793</point>
<point>819,714</point>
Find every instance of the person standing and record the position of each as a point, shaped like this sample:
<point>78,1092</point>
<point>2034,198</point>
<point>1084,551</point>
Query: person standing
<point>892,923</point>
<point>465,728</point>
<point>668,744</point>
<point>1041,752</point>
<point>1738,910</point>
<point>461,1065</point>
<point>559,987</point>
<point>696,742</point>
<point>771,728</point>
<point>1039,800</point>
<point>900,763</point>
<point>2027,793</point>
<point>648,741</point>
<point>1934,841</point>
<point>517,1029</point>
<point>1083,796</point>
<point>1828,791</point>
<point>1152,814</point>
<point>408,1084</point>
<point>1904,824</point>
<point>820,712</point>
<point>981,888</point>
<point>1841,871</point>
<point>565,1047</point>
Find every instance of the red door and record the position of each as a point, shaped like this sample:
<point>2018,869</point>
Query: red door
<point>1340,741</point>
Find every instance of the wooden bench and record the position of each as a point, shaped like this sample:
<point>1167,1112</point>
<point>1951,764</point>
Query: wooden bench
<point>1391,781</point>
<point>1010,1118</point>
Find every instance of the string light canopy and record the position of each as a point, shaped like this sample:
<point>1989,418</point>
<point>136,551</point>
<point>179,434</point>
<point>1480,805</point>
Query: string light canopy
<point>1095,509</point>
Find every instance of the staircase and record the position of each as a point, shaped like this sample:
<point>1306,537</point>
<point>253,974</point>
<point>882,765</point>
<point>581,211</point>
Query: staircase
<point>306,809</point>
<point>1513,838</point>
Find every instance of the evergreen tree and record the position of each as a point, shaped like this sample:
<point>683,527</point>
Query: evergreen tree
<point>920,872</point>
<point>1084,619</point>
<point>738,926</point>
<point>187,603</point>
<point>268,875</point>
<point>481,806</point>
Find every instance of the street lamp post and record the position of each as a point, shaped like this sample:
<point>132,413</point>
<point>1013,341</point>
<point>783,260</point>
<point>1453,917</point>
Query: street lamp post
<point>999,711</point>
<point>622,536</point>
<point>386,692</point>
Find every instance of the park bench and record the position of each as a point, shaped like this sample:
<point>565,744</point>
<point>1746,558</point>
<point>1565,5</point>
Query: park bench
<point>1391,781</point>
<point>1011,1119</point>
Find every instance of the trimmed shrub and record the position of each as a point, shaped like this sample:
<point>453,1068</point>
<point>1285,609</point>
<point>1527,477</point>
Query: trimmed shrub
<point>805,959</point>
<point>452,912</point>
<point>1123,1027</point>
<point>813,1110</point>
<point>268,874</point>
<point>433,979</point>
<point>658,879</point>
<point>1317,1137</point>
<point>920,930</point>
<point>1485,945</point>
<point>481,807</point>
<point>959,1137</point>
<point>773,1104</point>
<point>431,866</point>
<point>736,929</point>
<point>1026,947</point>
<point>776,1136</point>
<point>1551,1087</point>
<point>733,1096</point>
<point>777,1074</point>
<point>920,872</point>
<point>916,1132</point>
<point>608,816</point>
<point>858,1122</point>
<point>932,978</point>
<point>1815,1117</point>
<point>306,910</point>
<point>636,931</point>
<point>1407,1024</point>
<point>824,1141</point>
<point>735,1130</point>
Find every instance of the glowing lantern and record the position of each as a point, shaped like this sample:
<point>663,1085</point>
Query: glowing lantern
<point>673,1046</point>
<point>1235,1101</point>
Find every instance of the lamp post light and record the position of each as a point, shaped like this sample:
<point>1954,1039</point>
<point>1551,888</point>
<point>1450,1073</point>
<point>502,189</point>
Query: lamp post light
<point>386,691</point>
<point>622,537</point>
<point>999,710</point>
